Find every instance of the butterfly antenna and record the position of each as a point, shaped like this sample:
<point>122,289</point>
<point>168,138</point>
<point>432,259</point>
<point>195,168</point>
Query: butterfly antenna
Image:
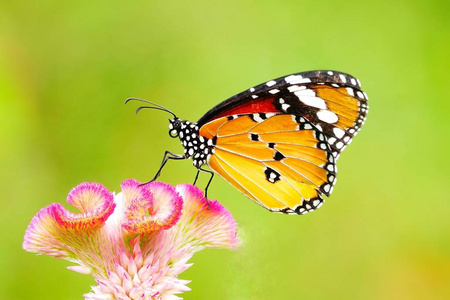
<point>158,107</point>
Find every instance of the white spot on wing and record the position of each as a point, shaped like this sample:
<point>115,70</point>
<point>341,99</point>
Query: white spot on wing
<point>292,78</point>
<point>360,95</point>
<point>295,88</point>
<point>339,133</point>
<point>274,91</point>
<point>350,92</point>
<point>257,118</point>
<point>327,116</point>
<point>270,83</point>
<point>342,77</point>
<point>295,79</point>
<point>313,101</point>
<point>305,92</point>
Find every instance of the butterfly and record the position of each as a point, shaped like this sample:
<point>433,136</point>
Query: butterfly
<point>277,142</point>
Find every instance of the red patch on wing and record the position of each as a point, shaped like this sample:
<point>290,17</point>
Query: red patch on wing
<point>259,105</point>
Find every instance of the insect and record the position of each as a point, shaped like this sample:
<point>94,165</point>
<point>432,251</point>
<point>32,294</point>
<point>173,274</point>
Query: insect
<point>277,142</point>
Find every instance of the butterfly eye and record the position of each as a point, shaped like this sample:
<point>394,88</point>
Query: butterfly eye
<point>173,133</point>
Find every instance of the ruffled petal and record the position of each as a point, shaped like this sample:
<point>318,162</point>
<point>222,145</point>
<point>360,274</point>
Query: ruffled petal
<point>133,191</point>
<point>152,207</point>
<point>89,197</point>
<point>43,235</point>
<point>57,232</point>
<point>212,226</point>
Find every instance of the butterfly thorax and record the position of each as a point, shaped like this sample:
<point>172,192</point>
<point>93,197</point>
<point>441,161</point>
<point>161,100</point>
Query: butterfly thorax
<point>195,146</point>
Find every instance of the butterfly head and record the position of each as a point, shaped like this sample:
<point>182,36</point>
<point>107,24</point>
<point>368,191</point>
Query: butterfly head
<point>184,130</point>
<point>174,127</point>
<point>195,146</point>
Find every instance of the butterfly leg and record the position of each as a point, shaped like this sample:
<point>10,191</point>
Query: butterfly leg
<point>196,177</point>
<point>211,173</point>
<point>167,155</point>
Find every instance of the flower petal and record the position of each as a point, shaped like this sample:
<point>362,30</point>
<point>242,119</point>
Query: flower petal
<point>163,208</point>
<point>43,235</point>
<point>94,201</point>
<point>133,191</point>
<point>54,229</point>
<point>81,269</point>
<point>168,204</point>
<point>89,196</point>
<point>212,226</point>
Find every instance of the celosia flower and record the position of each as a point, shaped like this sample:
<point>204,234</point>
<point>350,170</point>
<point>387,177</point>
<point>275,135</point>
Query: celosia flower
<point>134,243</point>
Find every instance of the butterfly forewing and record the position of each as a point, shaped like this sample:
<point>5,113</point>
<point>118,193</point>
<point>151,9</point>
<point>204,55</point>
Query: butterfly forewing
<point>330,100</point>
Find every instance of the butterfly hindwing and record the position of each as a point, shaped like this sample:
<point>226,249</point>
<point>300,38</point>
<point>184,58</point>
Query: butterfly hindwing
<point>280,161</point>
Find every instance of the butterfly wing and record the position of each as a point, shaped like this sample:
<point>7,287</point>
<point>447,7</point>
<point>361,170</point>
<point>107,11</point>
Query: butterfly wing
<point>332,101</point>
<point>280,161</point>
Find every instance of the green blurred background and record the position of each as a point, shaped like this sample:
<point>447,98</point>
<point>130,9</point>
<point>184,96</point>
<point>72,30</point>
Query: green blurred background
<point>66,68</point>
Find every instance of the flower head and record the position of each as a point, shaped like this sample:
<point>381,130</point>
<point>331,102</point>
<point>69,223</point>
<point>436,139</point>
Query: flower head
<point>134,243</point>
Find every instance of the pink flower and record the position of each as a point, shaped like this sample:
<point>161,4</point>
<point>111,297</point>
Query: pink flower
<point>134,243</point>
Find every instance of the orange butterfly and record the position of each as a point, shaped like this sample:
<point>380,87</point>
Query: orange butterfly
<point>277,142</point>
